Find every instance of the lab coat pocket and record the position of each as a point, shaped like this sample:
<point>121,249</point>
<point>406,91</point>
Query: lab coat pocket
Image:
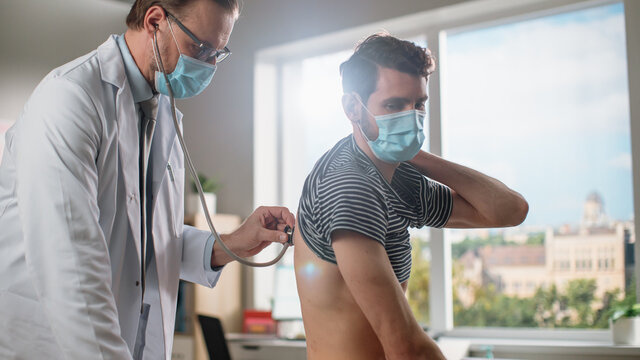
<point>25,329</point>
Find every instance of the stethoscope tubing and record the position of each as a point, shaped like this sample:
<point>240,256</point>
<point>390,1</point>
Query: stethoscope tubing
<point>194,173</point>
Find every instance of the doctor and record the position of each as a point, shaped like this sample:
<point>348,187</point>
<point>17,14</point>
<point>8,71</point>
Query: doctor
<point>87,270</point>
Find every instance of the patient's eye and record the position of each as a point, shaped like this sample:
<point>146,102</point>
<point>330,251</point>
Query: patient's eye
<point>393,107</point>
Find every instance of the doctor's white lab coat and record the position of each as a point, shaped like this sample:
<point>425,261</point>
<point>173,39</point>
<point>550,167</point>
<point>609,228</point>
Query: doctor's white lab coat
<point>70,218</point>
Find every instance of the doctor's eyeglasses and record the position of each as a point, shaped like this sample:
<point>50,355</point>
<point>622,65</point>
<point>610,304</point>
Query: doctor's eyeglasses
<point>206,53</point>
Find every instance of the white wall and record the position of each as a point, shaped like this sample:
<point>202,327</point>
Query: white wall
<point>39,35</point>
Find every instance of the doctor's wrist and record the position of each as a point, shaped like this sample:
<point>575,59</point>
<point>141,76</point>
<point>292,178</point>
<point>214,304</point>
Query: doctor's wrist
<point>219,257</point>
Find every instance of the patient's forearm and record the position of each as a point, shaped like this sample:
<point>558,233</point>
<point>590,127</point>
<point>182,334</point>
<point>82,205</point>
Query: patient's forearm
<point>494,201</point>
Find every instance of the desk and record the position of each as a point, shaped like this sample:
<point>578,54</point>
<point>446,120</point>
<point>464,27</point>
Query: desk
<point>265,347</point>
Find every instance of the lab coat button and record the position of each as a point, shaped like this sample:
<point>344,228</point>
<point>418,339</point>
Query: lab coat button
<point>137,282</point>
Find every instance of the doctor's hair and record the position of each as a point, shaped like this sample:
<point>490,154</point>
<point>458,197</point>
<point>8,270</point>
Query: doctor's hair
<point>360,72</point>
<point>135,19</point>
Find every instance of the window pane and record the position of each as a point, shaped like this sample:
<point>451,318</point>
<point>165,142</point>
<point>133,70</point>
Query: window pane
<point>418,288</point>
<point>313,119</point>
<point>542,105</point>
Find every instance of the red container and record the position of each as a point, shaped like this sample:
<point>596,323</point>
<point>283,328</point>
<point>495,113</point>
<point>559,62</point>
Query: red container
<point>258,322</point>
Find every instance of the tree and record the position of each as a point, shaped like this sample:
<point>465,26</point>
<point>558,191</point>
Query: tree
<point>580,295</point>
<point>418,289</point>
<point>536,239</point>
<point>458,249</point>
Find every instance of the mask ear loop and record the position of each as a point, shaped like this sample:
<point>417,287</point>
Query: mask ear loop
<point>173,35</point>
<point>365,107</point>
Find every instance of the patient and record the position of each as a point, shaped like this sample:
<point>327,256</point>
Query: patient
<point>352,253</point>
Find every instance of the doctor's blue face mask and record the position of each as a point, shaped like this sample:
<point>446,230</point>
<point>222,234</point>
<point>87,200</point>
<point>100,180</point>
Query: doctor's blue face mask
<point>189,78</point>
<point>400,135</point>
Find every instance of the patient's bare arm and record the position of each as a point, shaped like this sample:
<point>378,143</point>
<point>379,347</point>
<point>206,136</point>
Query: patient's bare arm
<point>365,267</point>
<point>478,200</point>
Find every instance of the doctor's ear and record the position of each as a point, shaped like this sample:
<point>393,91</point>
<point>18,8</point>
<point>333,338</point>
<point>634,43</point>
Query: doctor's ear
<point>153,17</point>
<point>352,107</point>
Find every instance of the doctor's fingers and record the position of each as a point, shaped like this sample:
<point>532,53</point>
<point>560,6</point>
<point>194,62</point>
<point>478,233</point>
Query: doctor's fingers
<point>271,215</point>
<point>272,236</point>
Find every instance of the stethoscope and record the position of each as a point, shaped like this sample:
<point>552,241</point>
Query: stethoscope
<point>192,170</point>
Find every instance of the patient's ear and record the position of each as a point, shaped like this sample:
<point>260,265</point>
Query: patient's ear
<point>352,107</point>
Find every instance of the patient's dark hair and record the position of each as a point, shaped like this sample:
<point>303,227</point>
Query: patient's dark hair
<point>135,19</point>
<point>360,72</point>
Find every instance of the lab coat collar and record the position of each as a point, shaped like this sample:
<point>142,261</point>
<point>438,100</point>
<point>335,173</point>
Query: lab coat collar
<point>139,86</point>
<point>111,70</point>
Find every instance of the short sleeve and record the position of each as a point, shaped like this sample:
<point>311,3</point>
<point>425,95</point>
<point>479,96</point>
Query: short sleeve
<point>351,203</point>
<point>429,201</point>
<point>435,205</point>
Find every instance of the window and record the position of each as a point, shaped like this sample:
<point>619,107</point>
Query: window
<point>542,105</point>
<point>311,121</point>
<point>521,96</point>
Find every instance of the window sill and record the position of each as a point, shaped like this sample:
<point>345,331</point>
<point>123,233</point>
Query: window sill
<point>544,348</point>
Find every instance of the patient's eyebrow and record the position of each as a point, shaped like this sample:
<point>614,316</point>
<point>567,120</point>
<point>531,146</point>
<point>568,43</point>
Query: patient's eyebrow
<point>397,100</point>
<point>404,100</point>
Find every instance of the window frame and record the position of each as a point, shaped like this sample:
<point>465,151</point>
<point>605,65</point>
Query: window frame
<point>441,22</point>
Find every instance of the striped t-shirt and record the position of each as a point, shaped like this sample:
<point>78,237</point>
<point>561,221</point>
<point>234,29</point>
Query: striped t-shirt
<point>345,191</point>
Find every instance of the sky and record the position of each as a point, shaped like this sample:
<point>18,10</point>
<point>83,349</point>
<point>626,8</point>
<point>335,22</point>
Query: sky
<point>540,104</point>
<point>543,106</point>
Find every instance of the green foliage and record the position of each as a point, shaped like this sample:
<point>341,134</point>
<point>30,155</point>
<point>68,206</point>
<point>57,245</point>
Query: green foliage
<point>418,289</point>
<point>458,249</point>
<point>575,307</point>
<point>580,293</point>
<point>209,185</point>
<point>626,311</point>
<point>536,239</point>
<point>492,308</point>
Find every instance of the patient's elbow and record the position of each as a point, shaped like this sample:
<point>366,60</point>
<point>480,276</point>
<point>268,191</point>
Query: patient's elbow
<point>519,212</point>
<point>511,212</point>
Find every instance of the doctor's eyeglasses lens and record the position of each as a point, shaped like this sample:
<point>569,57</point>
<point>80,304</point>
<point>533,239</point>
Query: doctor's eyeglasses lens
<point>206,53</point>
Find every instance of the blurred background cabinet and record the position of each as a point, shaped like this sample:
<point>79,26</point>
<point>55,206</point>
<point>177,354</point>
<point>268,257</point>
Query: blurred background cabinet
<point>224,301</point>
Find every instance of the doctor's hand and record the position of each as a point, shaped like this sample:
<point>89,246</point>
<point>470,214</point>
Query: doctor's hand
<point>264,226</point>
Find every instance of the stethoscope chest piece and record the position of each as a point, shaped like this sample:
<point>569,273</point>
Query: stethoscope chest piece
<point>289,231</point>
